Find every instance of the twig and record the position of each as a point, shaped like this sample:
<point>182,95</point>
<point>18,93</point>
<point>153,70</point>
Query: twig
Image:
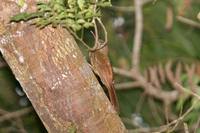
<point>127,9</point>
<point>78,38</point>
<point>169,18</point>
<point>151,90</point>
<point>186,90</point>
<point>16,114</point>
<point>123,72</point>
<point>138,34</point>
<point>171,76</point>
<point>197,125</point>
<point>186,128</point>
<point>140,102</point>
<point>182,117</point>
<point>198,16</point>
<point>166,106</point>
<point>164,127</point>
<point>18,122</point>
<point>178,71</point>
<point>95,35</point>
<point>154,78</point>
<point>188,21</point>
<point>127,85</point>
<point>99,44</point>
<point>154,110</point>
<point>123,8</point>
<point>180,114</point>
<point>2,111</point>
<point>161,73</point>
<point>20,126</point>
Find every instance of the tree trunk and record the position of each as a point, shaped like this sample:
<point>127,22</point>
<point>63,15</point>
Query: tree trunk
<point>55,76</point>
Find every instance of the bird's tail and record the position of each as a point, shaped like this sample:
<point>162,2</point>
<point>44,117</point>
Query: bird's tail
<point>113,97</point>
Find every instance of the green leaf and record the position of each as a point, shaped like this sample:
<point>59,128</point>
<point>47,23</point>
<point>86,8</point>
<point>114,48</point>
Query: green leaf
<point>70,15</point>
<point>104,4</point>
<point>89,14</point>
<point>71,3</point>
<point>25,16</point>
<point>80,21</point>
<point>87,25</point>
<point>76,27</point>
<point>81,4</point>
<point>19,17</point>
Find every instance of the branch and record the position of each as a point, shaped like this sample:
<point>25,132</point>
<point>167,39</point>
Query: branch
<point>165,96</point>
<point>127,9</point>
<point>127,85</point>
<point>122,72</point>
<point>15,114</point>
<point>169,18</point>
<point>138,34</point>
<point>18,122</point>
<point>198,16</point>
<point>188,21</point>
<point>164,127</point>
<point>188,91</point>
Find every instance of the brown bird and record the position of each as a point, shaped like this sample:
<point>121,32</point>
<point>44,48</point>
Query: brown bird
<point>102,67</point>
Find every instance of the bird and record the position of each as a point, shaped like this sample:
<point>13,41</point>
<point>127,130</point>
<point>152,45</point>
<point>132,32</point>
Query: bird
<point>101,66</point>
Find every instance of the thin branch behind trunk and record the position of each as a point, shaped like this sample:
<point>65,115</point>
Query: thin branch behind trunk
<point>138,33</point>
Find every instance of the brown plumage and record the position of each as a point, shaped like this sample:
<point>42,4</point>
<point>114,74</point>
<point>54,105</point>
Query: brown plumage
<point>102,67</point>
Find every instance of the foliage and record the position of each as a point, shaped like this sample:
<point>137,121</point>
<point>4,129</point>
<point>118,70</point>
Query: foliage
<point>73,14</point>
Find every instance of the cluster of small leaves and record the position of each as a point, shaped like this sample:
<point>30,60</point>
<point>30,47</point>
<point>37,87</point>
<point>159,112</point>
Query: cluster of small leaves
<point>73,14</point>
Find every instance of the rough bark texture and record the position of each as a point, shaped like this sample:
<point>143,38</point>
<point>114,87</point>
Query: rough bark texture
<point>56,77</point>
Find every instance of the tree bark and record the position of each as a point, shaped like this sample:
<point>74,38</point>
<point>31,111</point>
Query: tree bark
<point>55,76</point>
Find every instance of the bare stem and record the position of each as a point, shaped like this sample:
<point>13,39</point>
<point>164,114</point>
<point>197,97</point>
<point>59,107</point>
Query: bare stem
<point>127,85</point>
<point>128,9</point>
<point>164,127</point>
<point>188,21</point>
<point>138,34</point>
<point>150,89</point>
<point>188,91</point>
<point>16,114</point>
